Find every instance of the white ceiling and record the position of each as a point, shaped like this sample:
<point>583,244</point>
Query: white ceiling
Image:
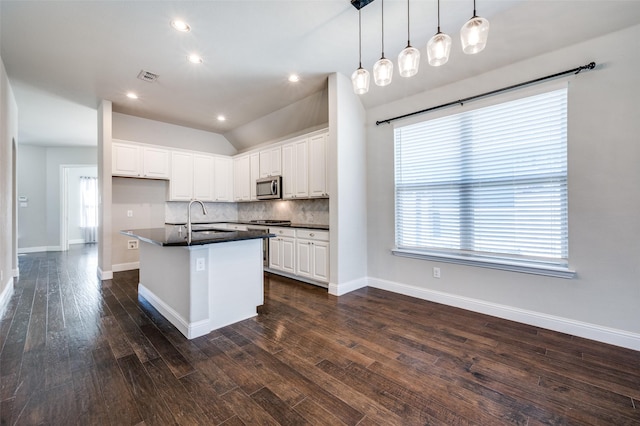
<point>63,57</point>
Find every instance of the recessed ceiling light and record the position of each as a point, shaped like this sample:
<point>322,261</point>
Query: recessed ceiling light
<point>194,59</point>
<point>294,78</point>
<point>180,26</point>
<point>132,95</point>
<point>222,118</point>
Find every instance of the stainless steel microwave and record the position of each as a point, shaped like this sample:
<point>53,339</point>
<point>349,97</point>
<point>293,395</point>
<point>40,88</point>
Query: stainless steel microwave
<point>269,188</point>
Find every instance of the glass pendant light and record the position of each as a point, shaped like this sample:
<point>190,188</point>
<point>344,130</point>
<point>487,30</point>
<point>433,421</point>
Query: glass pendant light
<point>409,58</point>
<point>474,33</point>
<point>439,46</point>
<point>383,69</point>
<point>360,77</point>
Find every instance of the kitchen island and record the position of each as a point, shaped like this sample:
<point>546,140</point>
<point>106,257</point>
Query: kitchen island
<point>213,281</point>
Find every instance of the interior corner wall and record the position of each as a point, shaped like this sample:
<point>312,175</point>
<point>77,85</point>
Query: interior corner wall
<point>104,189</point>
<point>136,129</point>
<point>8,133</point>
<point>602,301</point>
<point>347,175</point>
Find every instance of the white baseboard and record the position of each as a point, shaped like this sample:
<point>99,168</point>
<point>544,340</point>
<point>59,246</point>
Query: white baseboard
<point>119,267</point>
<point>78,241</point>
<point>563,325</point>
<point>344,288</point>
<point>104,275</point>
<point>24,250</point>
<point>16,272</point>
<point>5,296</point>
<point>190,330</point>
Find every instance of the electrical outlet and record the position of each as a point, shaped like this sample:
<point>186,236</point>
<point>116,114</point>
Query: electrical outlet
<point>436,272</point>
<point>1,276</point>
<point>132,244</point>
<point>129,213</point>
<point>200,264</point>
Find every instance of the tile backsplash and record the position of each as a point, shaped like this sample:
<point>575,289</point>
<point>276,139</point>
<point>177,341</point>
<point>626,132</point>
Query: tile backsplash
<point>311,212</point>
<point>176,212</point>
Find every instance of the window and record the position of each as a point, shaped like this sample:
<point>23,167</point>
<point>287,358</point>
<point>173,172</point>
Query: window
<point>487,187</point>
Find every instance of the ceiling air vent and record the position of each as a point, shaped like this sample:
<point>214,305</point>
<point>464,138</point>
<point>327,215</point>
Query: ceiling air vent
<point>147,76</point>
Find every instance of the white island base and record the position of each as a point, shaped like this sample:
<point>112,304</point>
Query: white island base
<point>201,288</point>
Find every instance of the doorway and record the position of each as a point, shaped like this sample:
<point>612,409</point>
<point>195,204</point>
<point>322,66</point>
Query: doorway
<point>79,201</point>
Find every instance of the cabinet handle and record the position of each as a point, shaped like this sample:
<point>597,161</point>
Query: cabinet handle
<point>312,234</point>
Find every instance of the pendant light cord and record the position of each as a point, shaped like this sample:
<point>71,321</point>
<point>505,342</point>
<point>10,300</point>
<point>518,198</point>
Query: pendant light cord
<point>474,9</point>
<point>359,38</point>
<point>383,29</point>
<point>408,24</point>
<point>438,15</point>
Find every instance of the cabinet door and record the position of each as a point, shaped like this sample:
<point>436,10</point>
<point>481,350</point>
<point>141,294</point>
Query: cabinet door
<point>181,184</point>
<point>241,179</point>
<point>270,162</point>
<point>203,177</point>
<point>155,162</point>
<point>301,182</point>
<point>304,257</point>
<point>320,261</point>
<point>288,247</point>
<point>275,256</point>
<point>223,179</point>
<point>125,160</point>
<point>318,166</point>
<point>288,171</point>
<point>254,173</point>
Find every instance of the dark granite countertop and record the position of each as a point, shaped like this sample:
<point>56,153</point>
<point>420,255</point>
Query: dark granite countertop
<point>239,222</point>
<point>170,235</point>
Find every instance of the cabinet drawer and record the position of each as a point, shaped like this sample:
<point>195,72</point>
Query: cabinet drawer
<point>283,232</point>
<point>312,234</point>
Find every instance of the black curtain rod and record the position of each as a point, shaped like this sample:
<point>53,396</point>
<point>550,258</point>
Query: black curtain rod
<point>461,102</point>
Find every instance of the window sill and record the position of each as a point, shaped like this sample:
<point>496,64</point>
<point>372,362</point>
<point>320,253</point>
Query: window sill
<point>501,264</point>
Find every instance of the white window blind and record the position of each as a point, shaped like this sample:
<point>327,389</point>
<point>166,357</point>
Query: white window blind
<point>490,183</point>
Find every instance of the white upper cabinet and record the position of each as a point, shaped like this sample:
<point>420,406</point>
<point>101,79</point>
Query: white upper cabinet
<point>318,186</point>
<point>270,162</point>
<point>223,179</point>
<point>242,178</point>
<point>139,161</point>
<point>155,163</point>
<point>200,176</point>
<point>295,173</point>
<point>181,185</point>
<point>203,175</point>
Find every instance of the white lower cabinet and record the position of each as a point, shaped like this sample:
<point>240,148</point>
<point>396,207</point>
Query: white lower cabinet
<point>282,250</point>
<point>312,254</point>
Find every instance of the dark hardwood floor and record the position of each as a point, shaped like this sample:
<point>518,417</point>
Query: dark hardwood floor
<point>75,350</point>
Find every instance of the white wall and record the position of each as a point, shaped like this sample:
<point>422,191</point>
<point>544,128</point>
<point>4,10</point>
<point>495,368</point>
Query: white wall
<point>153,132</point>
<point>32,183</point>
<point>145,198</point>
<point>347,174</point>
<point>603,301</point>
<point>8,133</point>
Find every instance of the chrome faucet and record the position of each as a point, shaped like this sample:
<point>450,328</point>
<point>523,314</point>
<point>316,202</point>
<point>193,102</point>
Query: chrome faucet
<point>204,210</point>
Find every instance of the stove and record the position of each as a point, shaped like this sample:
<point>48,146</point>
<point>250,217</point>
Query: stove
<point>274,222</point>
